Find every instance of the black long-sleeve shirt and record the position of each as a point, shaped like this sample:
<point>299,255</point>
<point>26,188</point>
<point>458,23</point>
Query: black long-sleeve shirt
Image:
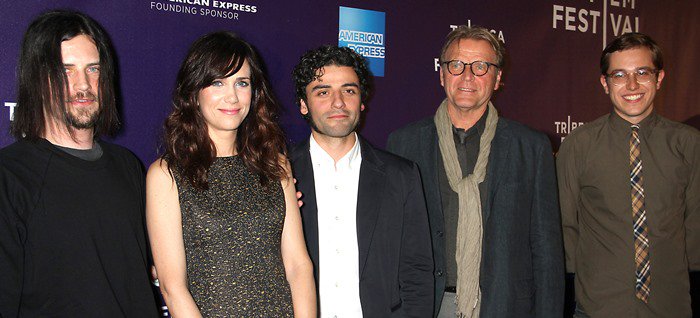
<point>72,235</point>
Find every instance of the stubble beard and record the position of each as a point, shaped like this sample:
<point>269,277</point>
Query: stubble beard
<point>330,132</point>
<point>83,117</point>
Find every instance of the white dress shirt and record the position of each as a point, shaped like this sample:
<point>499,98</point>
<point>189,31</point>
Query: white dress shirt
<point>336,199</point>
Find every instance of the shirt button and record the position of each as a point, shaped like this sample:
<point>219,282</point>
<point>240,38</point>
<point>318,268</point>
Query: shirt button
<point>440,233</point>
<point>439,272</point>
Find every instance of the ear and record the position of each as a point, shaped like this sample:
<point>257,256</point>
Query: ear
<point>442,79</point>
<point>604,82</point>
<point>362,107</point>
<point>303,109</point>
<point>498,80</point>
<point>659,78</point>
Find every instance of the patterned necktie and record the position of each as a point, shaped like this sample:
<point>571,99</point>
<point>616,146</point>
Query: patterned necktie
<point>641,231</point>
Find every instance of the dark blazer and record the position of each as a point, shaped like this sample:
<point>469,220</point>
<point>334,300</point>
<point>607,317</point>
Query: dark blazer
<point>522,265</point>
<point>393,234</point>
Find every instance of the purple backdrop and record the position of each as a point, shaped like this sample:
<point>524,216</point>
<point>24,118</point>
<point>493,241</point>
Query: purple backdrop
<point>551,77</point>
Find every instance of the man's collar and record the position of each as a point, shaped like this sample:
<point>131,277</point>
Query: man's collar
<point>478,128</point>
<point>349,159</point>
<point>86,154</point>
<point>645,126</point>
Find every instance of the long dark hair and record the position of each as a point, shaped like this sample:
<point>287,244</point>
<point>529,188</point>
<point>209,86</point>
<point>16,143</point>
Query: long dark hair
<point>42,79</point>
<point>259,141</point>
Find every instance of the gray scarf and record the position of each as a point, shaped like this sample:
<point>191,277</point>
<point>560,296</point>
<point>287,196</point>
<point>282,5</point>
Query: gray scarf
<point>469,225</point>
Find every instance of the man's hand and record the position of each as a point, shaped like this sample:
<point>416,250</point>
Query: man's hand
<point>154,276</point>
<point>299,195</point>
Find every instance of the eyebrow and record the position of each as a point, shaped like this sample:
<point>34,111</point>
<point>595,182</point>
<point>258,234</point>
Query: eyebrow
<point>636,69</point>
<point>320,86</point>
<point>89,64</point>
<point>238,78</point>
<point>324,86</point>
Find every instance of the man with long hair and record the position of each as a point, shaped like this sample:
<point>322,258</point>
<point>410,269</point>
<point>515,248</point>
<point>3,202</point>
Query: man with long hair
<point>72,240</point>
<point>364,216</point>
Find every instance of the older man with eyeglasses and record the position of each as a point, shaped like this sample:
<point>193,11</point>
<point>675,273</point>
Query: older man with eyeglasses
<point>629,186</point>
<point>490,188</point>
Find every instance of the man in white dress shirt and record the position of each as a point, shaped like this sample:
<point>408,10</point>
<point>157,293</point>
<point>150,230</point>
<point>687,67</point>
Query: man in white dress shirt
<point>365,220</point>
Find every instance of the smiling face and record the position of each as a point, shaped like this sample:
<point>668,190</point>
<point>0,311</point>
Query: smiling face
<point>225,102</point>
<point>466,92</point>
<point>81,62</point>
<point>333,102</point>
<point>632,101</point>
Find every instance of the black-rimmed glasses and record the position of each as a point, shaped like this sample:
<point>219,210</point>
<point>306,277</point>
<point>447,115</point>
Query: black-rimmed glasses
<point>478,68</point>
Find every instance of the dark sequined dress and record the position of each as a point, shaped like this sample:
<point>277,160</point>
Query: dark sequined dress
<point>232,234</point>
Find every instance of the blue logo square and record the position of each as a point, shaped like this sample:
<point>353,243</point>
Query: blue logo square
<point>363,31</point>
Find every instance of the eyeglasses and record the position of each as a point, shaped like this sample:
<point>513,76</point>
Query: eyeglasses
<point>642,76</point>
<point>478,68</point>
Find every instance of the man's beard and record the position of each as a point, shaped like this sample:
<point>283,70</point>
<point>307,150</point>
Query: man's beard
<point>337,132</point>
<point>83,117</point>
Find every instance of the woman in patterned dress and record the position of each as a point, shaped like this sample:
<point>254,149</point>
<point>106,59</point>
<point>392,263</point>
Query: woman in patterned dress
<point>222,215</point>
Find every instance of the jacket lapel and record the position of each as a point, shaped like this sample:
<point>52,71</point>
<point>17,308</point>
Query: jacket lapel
<point>498,159</point>
<point>304,173</point>
<point>369,198</point>
<point>432,160</point>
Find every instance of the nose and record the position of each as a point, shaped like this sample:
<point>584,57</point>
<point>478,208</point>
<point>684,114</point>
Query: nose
<point>467,75</point>
<point>232,96</point>
<point>81,84</point>
<point>338,101</point>
<point>632,83</point>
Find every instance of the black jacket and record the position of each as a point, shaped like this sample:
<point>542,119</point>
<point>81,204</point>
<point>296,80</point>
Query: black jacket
<point>393,234</point>
<point>522,264</point>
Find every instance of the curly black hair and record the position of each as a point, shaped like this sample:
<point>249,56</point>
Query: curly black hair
<point>311,65</point>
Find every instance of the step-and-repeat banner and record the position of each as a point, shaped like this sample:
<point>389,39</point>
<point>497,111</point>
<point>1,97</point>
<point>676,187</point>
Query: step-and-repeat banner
<point>551,77</point>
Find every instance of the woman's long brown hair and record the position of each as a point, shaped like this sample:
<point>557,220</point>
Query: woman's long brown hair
<point>259,140</point>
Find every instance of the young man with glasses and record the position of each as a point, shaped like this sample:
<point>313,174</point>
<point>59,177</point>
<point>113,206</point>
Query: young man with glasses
<point>490,189</point>
<point>629,186</point>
